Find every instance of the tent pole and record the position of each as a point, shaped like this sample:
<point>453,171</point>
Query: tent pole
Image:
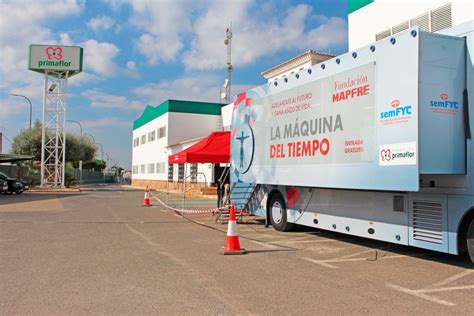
<point>167,190</point>
<point>184,190</point>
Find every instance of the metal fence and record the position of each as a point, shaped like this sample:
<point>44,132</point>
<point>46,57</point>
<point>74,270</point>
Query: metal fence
<point>89,177</point>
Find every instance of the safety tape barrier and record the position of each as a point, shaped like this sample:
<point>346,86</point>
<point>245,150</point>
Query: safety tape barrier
<point>190,211</point>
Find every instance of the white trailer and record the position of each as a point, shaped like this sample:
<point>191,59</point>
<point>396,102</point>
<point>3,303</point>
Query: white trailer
<point>374,143</point>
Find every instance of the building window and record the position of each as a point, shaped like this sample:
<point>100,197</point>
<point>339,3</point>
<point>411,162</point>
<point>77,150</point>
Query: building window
<point>160,167</point>
<point>194,171</point>
<point>142,169</point>
<point>180,172</point>
<point>162,132</point>
<point>151,136</point>
<point>135,170</point>
<point>136,142</point>
<point>170,172</point>
<point>151,168</point>
<point>143,139</point>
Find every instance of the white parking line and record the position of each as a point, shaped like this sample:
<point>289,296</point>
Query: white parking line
<point>452,288</point>
<point>326,263</point>
<point>303,241</point>
<point>452,279</point>
<point>320,262</point>
<point>420,295</point>
<point>435,287</point>
<point>355,254</point>
<point>264,244</point>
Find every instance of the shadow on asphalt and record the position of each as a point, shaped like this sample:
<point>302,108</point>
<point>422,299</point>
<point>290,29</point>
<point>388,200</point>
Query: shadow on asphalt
<point>269,250</point>
<point>381,248</point>
<point>6,199</point>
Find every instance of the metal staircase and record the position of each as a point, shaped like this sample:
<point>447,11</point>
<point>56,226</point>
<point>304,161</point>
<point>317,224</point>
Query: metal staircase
<point>241,195</point>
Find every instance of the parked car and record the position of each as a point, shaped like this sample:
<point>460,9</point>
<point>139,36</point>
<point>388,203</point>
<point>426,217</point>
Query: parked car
<point>14,185</point>
<point>3,186</point>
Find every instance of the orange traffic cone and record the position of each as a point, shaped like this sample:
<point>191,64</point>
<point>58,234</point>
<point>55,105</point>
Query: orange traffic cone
<point>146,199</point>
<point>232,243</point>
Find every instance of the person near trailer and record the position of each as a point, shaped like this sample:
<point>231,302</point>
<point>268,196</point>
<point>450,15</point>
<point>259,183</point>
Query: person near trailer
<point>219,194</point>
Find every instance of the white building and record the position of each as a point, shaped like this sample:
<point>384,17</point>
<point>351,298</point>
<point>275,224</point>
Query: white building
<point>372,20</point>
<point>296,64</point>
<point>167,129</point>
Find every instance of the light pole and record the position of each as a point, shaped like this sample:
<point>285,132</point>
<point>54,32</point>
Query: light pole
<point>27,99</point>
<point>102,151</point>
<point>87,134</point>
<point>78,123</point>
<point>230,68</point>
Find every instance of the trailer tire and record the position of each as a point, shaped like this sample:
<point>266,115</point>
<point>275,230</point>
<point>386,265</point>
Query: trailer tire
<point>277,213</point>
<point>470,240</point>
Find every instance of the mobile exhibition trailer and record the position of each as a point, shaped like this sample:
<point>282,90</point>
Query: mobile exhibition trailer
<point>374,143</point>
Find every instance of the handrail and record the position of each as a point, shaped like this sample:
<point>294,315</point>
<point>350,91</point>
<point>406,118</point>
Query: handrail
<point>197,173</point>
<point>224,175</point>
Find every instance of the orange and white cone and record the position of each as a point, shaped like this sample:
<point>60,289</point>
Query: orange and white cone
<point>146,199</point>
<point>232,243</point>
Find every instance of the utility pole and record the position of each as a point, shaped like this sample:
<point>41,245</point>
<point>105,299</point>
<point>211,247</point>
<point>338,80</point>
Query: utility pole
<point>230,68</point>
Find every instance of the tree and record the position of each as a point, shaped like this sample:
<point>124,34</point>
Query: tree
<point>28,142</point>
<point>96,165</point>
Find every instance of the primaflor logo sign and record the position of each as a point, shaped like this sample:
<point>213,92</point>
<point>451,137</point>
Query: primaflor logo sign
<point>55,58</point>
<point>397,154</point>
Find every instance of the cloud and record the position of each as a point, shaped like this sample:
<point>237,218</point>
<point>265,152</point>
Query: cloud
<point>131,70</point>
<point>196,87</point>
<point>105,122</point>
<point>198,37</point>
<point>164,24</point>
<point>254,36</point>
<point>100,99</point>
<point>98,57</point>
<point>100,23</point>
<point>25,24</point>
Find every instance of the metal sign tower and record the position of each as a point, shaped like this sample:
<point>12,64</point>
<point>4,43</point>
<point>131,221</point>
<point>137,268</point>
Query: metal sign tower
<point>53,139</point>
<point>58,63</point>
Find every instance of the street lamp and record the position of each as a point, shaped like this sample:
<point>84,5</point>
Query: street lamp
<point>87,134</point>
<point>31,106</point>
<point>78,123</point>
<point>102,151</point>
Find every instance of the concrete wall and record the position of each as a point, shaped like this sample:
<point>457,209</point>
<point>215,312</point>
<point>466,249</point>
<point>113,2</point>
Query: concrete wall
<point>383,14</point>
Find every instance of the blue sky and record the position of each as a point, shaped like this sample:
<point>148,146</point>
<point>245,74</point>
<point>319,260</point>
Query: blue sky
<point>146,51</point>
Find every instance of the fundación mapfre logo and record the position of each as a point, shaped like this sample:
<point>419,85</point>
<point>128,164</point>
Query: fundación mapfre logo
<point>397,154</point>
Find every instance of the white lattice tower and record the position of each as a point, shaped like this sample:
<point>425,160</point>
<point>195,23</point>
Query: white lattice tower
<point>53,142</point>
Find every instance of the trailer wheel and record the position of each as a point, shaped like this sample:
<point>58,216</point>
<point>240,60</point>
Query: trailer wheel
<point>470,240</point>
<point>278,214</point>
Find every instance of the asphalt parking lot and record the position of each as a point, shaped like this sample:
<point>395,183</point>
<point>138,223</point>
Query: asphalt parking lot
<point>99,251</point>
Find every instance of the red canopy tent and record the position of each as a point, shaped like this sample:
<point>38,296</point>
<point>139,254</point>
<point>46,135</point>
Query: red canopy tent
<point>215,148</point>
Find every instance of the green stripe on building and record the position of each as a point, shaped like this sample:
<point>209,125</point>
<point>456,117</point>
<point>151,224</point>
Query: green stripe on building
<point>354,5</point>
<point>177,106</point>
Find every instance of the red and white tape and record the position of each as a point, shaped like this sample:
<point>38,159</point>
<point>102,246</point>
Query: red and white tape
<point>189,211</point>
